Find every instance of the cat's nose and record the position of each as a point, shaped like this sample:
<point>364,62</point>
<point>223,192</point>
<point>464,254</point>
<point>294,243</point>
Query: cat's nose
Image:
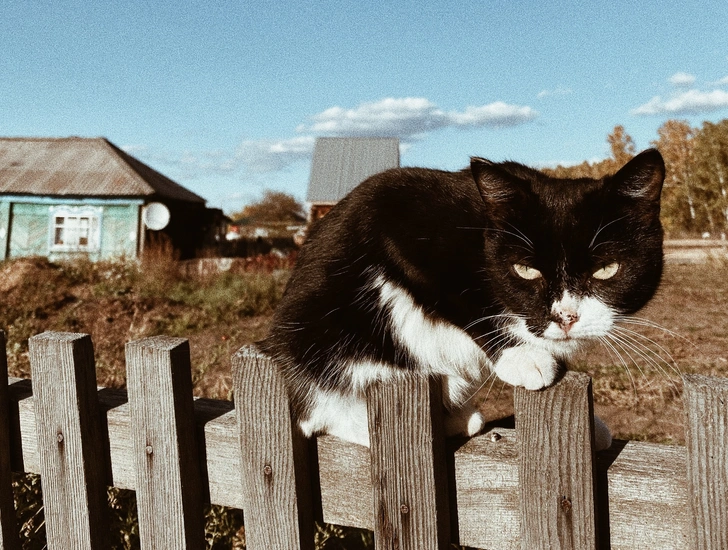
<point>565,318</point>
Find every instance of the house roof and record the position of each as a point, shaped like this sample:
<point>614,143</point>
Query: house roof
<point>81,167</point>
<point>340,164</point>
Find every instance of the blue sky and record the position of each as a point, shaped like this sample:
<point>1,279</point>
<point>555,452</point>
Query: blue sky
<point>227,97</point>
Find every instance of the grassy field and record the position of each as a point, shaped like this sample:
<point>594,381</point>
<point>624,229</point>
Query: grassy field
<point>684,329</point>
<point>637,387</point>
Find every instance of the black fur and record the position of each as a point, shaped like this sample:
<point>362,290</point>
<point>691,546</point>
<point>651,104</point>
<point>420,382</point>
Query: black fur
<point>450,239</point>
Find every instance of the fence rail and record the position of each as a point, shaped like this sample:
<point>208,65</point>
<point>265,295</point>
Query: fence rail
<point>539,485</point>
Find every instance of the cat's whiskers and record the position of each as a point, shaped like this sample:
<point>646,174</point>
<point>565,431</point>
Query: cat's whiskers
<point>629,349</point>
<point>476,391</point>
<point>634,335</point>
<point>653,360</point>
<point>518,235</point>
<point>499,316</point>
<point>601,228</point>
<point>632,347</point>
<point>641,321</point>
<point>612,349</point>
<point>498,330</point>
<point>521,234</point>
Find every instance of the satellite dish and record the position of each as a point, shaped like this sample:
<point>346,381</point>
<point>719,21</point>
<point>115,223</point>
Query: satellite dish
<point>155,216</point>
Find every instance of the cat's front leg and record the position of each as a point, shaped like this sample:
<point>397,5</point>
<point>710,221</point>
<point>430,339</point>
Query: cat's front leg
<point>528,366</point>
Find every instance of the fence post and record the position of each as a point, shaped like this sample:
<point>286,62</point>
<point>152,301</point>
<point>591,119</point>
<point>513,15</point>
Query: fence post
<point>162,427</point>
<point>706,439</point>
<point>409,472</point>
<point>8,523</point>
<point>71,457</point>
<point>277,501</point>
<point>556,465</point>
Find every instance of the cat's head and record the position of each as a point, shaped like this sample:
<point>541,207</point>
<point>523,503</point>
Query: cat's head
<point>567,257</point>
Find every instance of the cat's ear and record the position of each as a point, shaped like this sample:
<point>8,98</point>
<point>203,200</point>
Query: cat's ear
<point>641,178</point>
<point>494,184</point>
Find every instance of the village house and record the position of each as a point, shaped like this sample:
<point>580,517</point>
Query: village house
<point>66,197</point>
<point>340,164</point>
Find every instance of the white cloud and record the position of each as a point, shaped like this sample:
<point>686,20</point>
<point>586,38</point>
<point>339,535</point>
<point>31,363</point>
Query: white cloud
<point>134,149</point>
<point>682,79</point>
<point>408,118</point>
<point>412,117</point>
<point>555,92</point>
<point>274,155</point>
<point>685,103</point>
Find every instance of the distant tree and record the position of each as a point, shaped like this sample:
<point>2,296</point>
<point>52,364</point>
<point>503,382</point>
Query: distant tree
<point>710,174</point>
<point>622,150</point>
<point>275,206</point>
<point>675,142</point>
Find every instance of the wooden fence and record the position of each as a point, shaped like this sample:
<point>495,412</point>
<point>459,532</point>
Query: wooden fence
<point>538,486</point>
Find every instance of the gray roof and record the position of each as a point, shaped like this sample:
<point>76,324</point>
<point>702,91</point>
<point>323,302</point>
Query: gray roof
<point>83,167</point>
<point>340,164</point>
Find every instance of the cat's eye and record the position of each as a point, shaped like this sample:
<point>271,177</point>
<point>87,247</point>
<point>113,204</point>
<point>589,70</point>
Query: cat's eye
<point>607,272</point>
<point>526,272</point>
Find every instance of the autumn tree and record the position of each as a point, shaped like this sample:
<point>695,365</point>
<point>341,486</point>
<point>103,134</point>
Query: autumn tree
<point>622,149</point>
<point>675,142</point>
<point>274,206</point>
<point>710,175</point>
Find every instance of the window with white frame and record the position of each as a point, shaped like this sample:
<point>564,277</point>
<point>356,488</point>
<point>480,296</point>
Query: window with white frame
<point>75,229</point>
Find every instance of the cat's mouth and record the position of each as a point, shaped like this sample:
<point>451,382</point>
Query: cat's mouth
<point>578,318</point>
<point>573,321</point>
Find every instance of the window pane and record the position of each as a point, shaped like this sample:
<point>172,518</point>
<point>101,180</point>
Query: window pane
<point>83,227</point>
<point>79,231</point>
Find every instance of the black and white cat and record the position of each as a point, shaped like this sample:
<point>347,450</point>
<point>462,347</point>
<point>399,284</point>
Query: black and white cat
<point>494,269</point>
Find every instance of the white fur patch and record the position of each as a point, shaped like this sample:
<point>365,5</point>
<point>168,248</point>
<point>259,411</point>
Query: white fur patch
<point>344,416</point>
<point>595,318</point>
<point>363,374</point>
<point>533,364</point>
<point>439,347</point>
<point>532,367</point>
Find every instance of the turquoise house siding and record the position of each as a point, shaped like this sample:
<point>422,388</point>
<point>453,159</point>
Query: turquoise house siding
<point>30,227</point>
<point>4,228</point>
<point>120,231</point>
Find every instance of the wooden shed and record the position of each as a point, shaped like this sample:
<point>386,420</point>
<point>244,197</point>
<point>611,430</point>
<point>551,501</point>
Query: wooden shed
<point>340,164</point>
<point>69,196</point>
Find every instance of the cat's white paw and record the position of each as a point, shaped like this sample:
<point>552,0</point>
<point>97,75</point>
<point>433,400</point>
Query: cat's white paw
<point>602,434</point>
<point>528,366</point>
<point>467,423</point>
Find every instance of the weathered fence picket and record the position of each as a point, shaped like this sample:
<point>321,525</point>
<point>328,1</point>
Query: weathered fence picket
<point>538,486</point>
<point>168,477</point>
<point>408,465</point>
<point>73,467</point>
<point>706,438</point>
<point>8,524</point>
<point>277,504</point>
<point>556,465</point>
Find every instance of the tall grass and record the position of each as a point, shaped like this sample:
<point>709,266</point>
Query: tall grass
<point>117,301</point>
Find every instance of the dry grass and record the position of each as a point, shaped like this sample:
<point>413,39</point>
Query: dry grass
<point>117,302</point>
